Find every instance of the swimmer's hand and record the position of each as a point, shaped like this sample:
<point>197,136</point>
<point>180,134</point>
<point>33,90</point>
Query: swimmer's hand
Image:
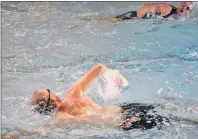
<point>102,67</point>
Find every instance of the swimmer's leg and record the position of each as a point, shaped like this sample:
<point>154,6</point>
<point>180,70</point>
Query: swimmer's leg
<point>169,97</point>
<point>107,20</point>
<point>137,108</point>
<point>21,133</point>
<point>126,16</point>
<point>93,21</point>
<point>142,116</point>
<point>185,119</point>
<point>185,102</point>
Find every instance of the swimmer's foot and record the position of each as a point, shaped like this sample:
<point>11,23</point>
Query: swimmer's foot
<point>70,26</point>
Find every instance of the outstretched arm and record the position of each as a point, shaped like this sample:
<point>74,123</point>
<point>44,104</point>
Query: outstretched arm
<point>23,133</point>
<point>82,84</point>
<point>62,118</point>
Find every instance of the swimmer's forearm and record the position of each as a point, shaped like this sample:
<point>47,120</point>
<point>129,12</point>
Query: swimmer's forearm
<point>84,82</point>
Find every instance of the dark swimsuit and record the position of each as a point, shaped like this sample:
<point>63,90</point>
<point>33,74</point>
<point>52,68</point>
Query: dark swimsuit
<point>146,114</point>
<point>129,15</point>
<point>173,11</point>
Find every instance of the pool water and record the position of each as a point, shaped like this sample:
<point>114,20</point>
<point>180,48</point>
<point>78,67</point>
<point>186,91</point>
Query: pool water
<point>158,58</point>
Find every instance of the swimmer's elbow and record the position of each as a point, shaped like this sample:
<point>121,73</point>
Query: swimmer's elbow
<point>91,75</point>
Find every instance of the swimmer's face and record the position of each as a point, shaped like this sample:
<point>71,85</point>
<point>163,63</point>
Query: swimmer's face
<point>186,8</point>
<point>44,101</point>
<point>45,108</point>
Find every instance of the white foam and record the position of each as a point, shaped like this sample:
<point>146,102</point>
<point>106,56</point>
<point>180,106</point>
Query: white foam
<point>195,4</point>
<point>108,85</point>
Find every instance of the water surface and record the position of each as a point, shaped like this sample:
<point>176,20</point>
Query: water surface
<point>38,51</point>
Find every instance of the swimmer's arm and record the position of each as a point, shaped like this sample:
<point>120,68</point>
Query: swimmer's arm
<point>82,84</point>
<point>61,119</point>
<point>23,133</point>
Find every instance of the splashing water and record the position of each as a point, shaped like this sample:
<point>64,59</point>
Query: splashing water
<point>195,4</point>
<point>109,85</point>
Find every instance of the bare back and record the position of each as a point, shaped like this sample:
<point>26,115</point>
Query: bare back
<point>160,9</point>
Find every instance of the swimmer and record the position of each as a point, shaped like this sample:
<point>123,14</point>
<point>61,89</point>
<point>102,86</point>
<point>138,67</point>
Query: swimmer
<point>153,10</point>
<point>79,108</point>
<point>157,9</point>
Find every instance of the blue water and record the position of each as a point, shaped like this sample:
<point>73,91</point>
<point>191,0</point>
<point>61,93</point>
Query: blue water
<point>38,51</point>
